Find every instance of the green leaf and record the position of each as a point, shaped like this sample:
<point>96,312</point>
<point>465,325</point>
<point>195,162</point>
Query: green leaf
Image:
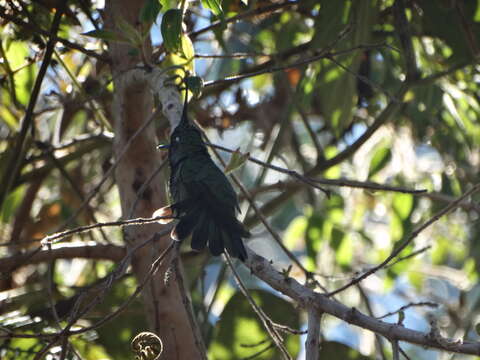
<point>236,161</point>
<point>214,5</point>
<point>240,333</point>
<point>171,29</point>
<point>315,234</point>
<point>403,205</point>
<point>295,232</point>
<point>381,157</point>
<point>186,48</point>
<point>149,11</point>
<point>16,54</point>
<point>106,35</point>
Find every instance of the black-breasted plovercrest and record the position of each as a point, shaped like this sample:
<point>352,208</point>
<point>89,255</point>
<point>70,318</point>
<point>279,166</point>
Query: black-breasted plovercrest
<point>203,199</point>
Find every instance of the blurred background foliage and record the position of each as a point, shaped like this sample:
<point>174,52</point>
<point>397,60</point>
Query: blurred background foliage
<point>355,60</point>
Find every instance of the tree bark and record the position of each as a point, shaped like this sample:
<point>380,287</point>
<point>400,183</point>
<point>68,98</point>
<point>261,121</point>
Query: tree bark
<point>167,306</point>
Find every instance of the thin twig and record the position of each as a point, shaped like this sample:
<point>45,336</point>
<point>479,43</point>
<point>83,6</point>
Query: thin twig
<point>334,182</point>
<point>137,221</point>
<point>405,307</point>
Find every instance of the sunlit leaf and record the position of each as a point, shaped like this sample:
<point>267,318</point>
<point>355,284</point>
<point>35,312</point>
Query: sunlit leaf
<point>186,49</point>
<point>237,160</point>
<point>214,5</point>
<point>403,205</point>
<point>380,158</point>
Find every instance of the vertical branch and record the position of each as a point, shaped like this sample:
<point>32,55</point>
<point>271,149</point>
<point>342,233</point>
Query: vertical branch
<point>312,344</point>
<point>395,350</point>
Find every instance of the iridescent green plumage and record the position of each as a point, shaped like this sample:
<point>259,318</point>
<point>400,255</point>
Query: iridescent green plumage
<point>204,199</point>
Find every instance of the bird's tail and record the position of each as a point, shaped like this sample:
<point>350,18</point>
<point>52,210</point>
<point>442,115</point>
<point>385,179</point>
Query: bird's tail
<point>219,232</point>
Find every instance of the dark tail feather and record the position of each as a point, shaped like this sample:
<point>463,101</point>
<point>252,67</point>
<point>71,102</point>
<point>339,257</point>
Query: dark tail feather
<point>219,232</point>
<point>215,243</point>
<point>200,234</point>
<point>186,225</point>
<point>234,245</point>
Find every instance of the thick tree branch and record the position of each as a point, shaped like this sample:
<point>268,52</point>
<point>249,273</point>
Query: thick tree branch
<point>307,298</point>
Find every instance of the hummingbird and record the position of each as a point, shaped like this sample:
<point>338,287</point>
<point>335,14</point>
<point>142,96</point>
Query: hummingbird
<point>204,201</point>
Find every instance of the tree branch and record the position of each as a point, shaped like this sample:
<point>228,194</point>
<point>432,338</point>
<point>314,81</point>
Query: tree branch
<point>307,298</point>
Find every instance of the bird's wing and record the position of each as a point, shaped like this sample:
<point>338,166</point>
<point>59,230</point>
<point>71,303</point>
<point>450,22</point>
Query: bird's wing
<point>203,179</point>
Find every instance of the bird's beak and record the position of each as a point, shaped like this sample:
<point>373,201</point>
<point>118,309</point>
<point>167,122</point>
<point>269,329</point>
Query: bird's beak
<point>163,146</point>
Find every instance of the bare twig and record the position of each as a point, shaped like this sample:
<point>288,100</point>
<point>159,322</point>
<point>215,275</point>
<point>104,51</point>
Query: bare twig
<point>335,182</point>
<point>137,221</point>
<point>405,307</point>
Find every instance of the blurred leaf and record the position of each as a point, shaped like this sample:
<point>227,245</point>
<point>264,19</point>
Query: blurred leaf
<point>214,5</point>
<point>380,158</point>
<point>150,11</point>
<point>237,160</point>
<point>186,49</point>
<point>403,205</point>
<point>396,227</point>
<point>336,350</point>
<point>315,235</point>
<point>295,231</point>
<point>344,253</point>
<point>17,54</point>
<point>105,35</point>
<point>11,203</point>
<point>171,28</point>
<point>8,118</point>
<point>240,333</point>
<point>133,35</point>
